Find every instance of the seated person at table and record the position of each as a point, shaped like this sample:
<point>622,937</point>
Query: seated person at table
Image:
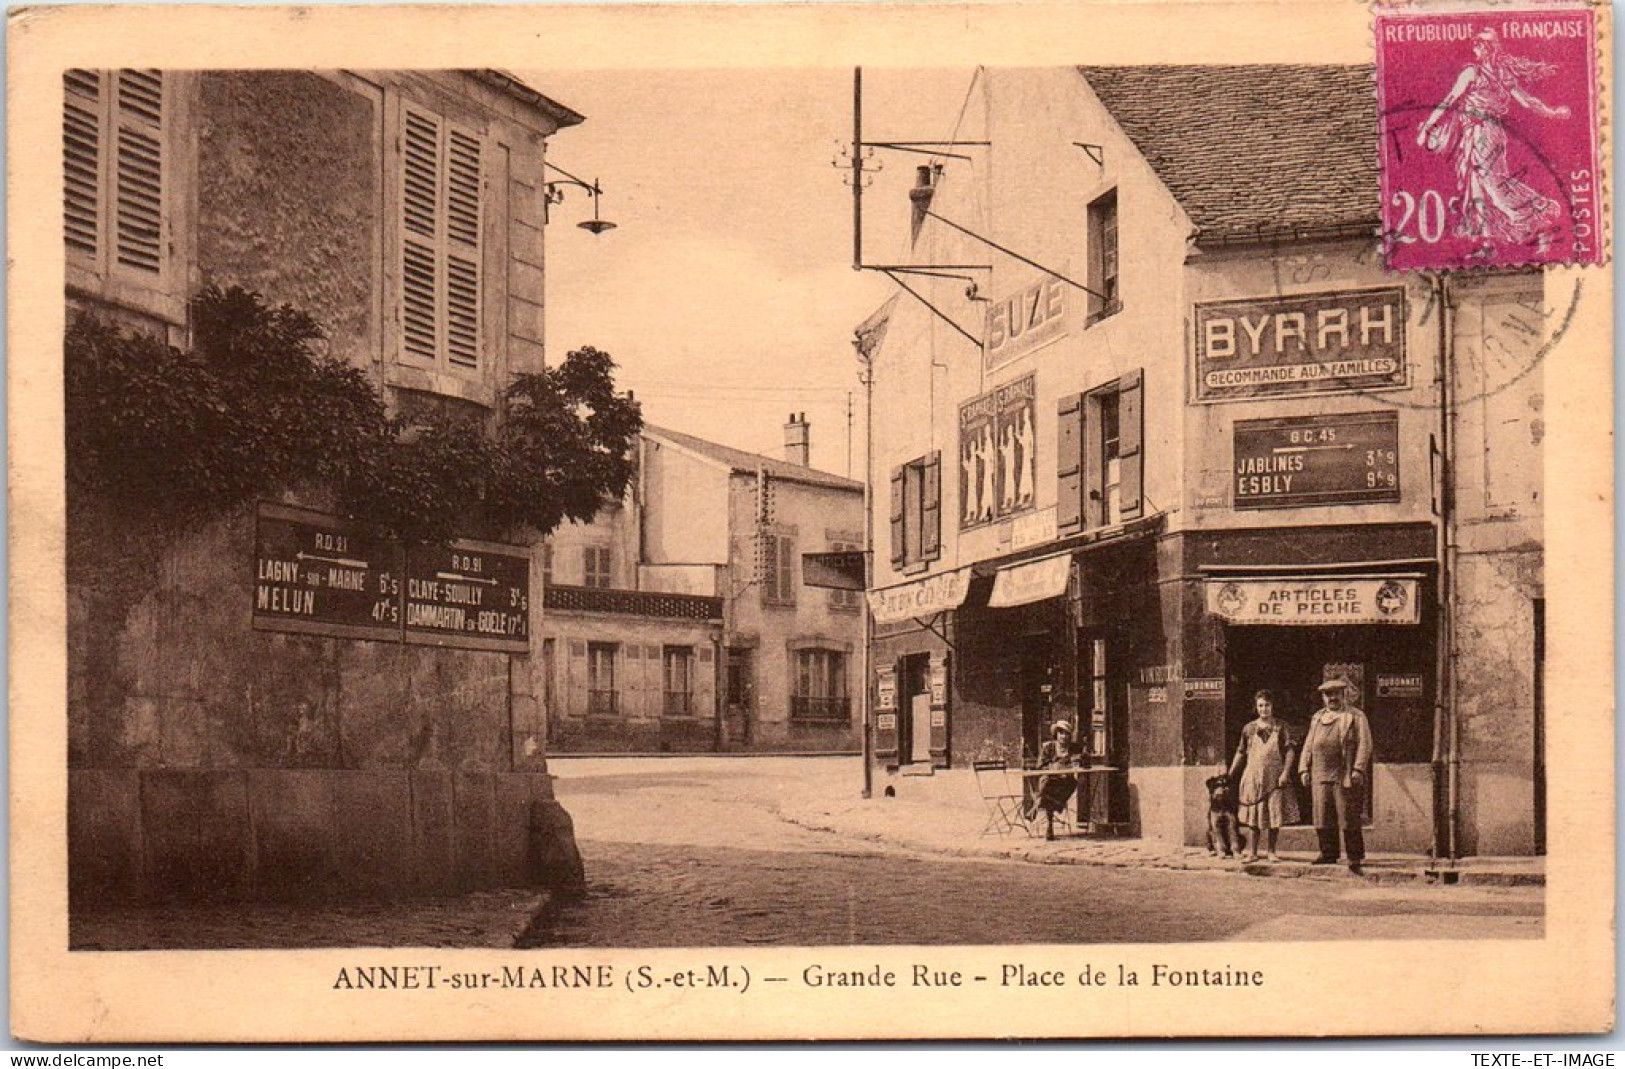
<point>1055,791</point>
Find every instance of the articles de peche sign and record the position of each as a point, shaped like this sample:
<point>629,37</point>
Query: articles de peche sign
<point>1299,602</point>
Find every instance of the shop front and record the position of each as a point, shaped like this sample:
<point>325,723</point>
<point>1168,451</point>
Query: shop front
<point>1287,629</point>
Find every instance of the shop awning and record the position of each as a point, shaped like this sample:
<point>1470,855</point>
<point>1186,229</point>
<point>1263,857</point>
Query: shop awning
<point>924,597</point>
<point>1325,600</point>
<point>1022,584</point>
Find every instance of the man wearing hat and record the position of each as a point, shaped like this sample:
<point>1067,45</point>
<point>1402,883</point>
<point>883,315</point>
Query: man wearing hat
<point>1335,766</point>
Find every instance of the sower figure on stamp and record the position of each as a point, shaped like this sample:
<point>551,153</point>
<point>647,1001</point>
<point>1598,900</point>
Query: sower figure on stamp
<point>1262,771</point>
<point>1336,767</point>
<point>1496,205</point>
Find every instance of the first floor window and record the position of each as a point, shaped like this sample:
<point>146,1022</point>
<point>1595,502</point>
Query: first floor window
<point>441,185</point>
<point>595,566</point>
<point>916,511</point>
<point>114,170</point>
<point>778,569</point>
<point>821,692</point>
<point>602,697</point>
<point>678,670</point>
<point>1106,298</point>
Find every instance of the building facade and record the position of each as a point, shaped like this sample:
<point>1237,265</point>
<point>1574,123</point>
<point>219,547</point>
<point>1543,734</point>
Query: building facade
<point>215,750</point>
<point>1184,440</point>
<point>679,622</point>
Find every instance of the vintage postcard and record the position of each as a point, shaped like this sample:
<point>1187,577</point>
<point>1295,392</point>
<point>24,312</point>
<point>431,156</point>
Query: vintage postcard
<point>823,521</point>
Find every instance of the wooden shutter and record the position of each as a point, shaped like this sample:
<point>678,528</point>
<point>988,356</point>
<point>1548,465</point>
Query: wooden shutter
<point>939,731</point>
<point>420,234</point>
<point>463,221</point>
<point>82,161</point>
<point>786,570</point>
<point>931,508</point>
<point>575,679</point>
<point>885,719</point>
<point>139,188</point>
<point>1131,440</point>
<point>1069,464</point>
<point>898,547</point>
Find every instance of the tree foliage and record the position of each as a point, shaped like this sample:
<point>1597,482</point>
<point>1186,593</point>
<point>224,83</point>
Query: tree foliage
<point>254,409</point>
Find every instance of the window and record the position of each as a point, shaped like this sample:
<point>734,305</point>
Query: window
<point>1100,471</point>
<point>1111,468</point>
<point>916,511</point>
<point>820,696</point>
<point>114,180</point>
<point>442,183</point>
<point>602,697</point>
<point>595,568</point>
<point>778,569</point>
<point>678,670</point>
<point>846,600</point>
<point>1105,298</point>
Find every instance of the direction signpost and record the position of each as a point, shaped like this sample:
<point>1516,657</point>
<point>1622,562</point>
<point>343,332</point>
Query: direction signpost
<point>469,595</point>
<point>320,575</point>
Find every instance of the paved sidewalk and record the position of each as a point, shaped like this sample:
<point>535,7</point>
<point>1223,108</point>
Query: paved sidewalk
<point>945,814</point>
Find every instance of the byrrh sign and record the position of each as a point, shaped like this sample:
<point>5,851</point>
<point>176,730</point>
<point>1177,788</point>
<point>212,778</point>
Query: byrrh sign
<point>1311,343</point>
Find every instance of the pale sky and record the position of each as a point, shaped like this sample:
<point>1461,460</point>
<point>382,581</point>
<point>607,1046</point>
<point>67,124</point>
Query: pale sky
<point>726,292</point>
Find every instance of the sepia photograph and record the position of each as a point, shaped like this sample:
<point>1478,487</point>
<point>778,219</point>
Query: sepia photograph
<point>748,524</point>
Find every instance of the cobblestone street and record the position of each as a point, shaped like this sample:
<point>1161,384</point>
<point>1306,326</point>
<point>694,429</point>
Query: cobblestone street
<point>689,852</point>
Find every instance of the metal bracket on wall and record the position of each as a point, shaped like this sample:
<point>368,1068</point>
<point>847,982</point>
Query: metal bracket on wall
<point>937,625</point>
<point>1094,152</point>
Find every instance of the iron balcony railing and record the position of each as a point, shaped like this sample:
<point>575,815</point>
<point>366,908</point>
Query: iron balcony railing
<point>631,602</point>
<point>821,711</point>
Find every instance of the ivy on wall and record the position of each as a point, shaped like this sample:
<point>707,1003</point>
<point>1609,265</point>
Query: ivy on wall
<point>253,408</point>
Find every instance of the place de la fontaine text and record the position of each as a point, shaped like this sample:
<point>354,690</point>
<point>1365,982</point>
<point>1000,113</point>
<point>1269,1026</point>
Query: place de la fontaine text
<point>817,976</point>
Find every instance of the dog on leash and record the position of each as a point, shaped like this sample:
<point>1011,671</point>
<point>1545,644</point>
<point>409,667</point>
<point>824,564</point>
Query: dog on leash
<point>1223,830</point>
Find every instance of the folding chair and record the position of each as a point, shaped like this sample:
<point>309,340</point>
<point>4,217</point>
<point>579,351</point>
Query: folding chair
<point>1003,802</point>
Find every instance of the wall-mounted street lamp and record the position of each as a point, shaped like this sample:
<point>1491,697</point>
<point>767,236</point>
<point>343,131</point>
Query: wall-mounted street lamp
<point>553,193</point>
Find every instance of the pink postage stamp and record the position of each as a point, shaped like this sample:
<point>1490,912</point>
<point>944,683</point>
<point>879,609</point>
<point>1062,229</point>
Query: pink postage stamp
<point>1489,138</point>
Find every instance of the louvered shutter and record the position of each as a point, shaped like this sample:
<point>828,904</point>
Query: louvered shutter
<point>1069,464</point>
<point>82,161</point>
<point>898,548</point>
<point>1130,443</point>
<point>420,235</point>
<point>787,570</point>
<point>463,221</point>
<point>139,187</point>
<point>575,679</point>
<point>931,508</point>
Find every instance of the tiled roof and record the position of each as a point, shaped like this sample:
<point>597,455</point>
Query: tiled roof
<point>1254,151</point>
<point>741,461</point>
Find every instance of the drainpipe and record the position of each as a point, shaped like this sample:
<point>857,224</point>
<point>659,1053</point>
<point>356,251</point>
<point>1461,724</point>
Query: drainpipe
<point>1447,724</point>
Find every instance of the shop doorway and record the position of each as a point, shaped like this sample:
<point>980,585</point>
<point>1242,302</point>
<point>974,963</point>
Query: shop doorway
<point>1391,669</point>
<point>914,723</point>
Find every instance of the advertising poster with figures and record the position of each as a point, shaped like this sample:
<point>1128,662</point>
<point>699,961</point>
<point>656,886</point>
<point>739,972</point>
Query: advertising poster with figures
<point>998,461</point>
<point>509,544</point>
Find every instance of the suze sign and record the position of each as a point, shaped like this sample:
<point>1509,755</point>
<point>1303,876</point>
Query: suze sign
<point>1023,321</point>
<point>1301,461</point>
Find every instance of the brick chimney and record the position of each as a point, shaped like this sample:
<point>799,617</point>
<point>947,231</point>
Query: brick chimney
<point>797,442</point>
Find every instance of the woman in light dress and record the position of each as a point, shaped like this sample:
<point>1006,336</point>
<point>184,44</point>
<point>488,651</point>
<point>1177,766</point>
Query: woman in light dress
<point>1262,771</point>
